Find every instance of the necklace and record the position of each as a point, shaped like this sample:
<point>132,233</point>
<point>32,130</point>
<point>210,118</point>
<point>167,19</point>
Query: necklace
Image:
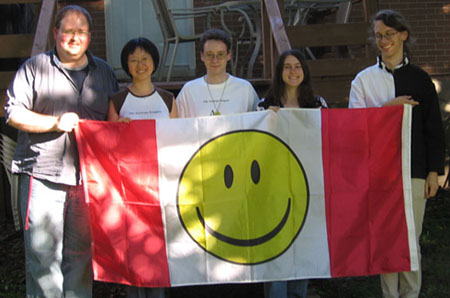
<point>215,111</point>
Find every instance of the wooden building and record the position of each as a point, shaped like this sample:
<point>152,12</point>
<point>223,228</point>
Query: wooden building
<point>336,37</point>
<point>334,34</point>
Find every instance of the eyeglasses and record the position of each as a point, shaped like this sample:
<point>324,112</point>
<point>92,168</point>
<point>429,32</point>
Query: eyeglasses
<point>389,35</point>
<point>72,33</point>
<point>219,56</point>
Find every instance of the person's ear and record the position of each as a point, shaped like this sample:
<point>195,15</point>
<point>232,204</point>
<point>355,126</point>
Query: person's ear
<point>202,56</point>
<point>55,32</point>
<point>404,35</point>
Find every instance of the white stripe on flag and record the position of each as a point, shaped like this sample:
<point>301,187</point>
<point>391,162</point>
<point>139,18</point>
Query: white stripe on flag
<point>407,187</point>
<point>188,262</point>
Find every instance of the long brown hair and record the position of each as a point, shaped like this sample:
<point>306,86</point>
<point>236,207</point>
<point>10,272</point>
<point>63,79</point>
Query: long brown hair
<point>306,97</point>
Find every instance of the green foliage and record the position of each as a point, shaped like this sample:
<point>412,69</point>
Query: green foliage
<point>12,279</point>
<point>435,247</point>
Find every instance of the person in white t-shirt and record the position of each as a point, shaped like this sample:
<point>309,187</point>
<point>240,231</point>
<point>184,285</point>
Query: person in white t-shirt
<point>141,99</point>
<point>217,92</point>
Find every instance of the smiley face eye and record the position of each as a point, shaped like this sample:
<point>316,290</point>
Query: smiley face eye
<point>255,172</point>
<point>228,176</point>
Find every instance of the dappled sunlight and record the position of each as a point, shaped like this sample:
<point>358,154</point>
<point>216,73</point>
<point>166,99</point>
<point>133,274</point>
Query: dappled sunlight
<point>446,8</point>
<point>131,240</point>
<point>144,267</point>
<point>438,85</point>
<point>442,91</point>
<point>137,227</point>
<point>127,231</point>
<point>176,153</point>
<point>228,194</point>
<point>112,217</point>
<point>152,244</point>
<point>99,188</point>
<point>225,269</point>
<point>140,260</point>
<point>214,220</point>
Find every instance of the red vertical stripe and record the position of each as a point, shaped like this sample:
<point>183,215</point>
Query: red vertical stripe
<point>366,221</point>
<point>27,217</point>
<point>121,178</point>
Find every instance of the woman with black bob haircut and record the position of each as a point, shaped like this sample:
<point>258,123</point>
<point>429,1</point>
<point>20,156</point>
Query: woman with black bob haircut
<point>291,84</point>
<point>144,44</point>
<point>141,99</point>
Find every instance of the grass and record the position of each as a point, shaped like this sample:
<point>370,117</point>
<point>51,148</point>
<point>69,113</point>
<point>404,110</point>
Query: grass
<point>435,244</point>
<point>435,247</point>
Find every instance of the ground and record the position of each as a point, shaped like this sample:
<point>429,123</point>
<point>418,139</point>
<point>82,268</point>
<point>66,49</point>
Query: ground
<point>435,243</point>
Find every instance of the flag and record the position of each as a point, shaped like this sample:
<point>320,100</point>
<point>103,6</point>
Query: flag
<point>260,196</point>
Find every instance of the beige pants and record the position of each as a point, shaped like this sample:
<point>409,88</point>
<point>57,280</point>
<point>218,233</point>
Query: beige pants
<point>407,284</point>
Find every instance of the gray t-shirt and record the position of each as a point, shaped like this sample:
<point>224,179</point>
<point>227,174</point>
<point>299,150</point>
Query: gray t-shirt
<point>43,85</point>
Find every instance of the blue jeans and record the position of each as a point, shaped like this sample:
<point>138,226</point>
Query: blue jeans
<point>286,289</point>
<point>57,239</point>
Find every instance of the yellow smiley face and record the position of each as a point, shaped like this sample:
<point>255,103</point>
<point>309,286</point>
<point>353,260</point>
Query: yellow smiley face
<point>243,197</point>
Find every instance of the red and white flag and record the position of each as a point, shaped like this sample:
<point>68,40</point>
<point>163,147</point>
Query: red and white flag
<point>250,197</point>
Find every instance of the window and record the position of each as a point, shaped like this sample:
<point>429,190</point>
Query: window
<point>130,19</point>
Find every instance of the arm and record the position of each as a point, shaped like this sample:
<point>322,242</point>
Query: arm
<point>434,134</point>
<point>357,96</point>
<point>112,113</point>
<point>174,111</point>
<point>263,104</point>
<point>29,121</point>
<point>431,185</point>
<point>180,102</point>
<point>113,116</point>
<point>274,108</point>
<point>20,105</point>
<point>401,100</point>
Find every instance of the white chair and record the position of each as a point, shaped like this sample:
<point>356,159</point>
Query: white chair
<point>171,34</point>
<point>245,30</point>
<point>244,27</point>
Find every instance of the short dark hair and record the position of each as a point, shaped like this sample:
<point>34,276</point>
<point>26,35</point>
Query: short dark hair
<point>396,20</point>
<point>61,14</point>
<point>215,34</point>
<point>132,45</point>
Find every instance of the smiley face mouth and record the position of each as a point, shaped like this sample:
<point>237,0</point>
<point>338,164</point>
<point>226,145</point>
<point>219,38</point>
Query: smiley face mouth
<point>246,242</point>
